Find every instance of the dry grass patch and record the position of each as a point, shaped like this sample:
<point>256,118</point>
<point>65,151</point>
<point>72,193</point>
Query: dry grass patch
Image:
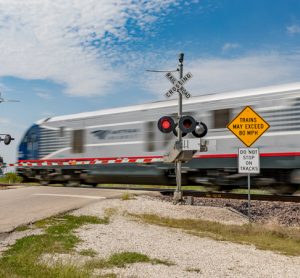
<point>127,196</point>
<point>124,258</point>
<point>283,240</point>
<point>88,252</point>
<point>191,269</point>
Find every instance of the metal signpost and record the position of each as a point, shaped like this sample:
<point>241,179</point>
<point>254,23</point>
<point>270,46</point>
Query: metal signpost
<point>248,126</point>
<point>178,87</point>
<point>248,163</point>
<point>183,149</point>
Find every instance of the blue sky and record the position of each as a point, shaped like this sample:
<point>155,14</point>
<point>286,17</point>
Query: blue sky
<point>60,57</point>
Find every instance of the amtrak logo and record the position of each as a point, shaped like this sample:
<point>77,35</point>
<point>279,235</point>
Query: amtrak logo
<point>103,134</point>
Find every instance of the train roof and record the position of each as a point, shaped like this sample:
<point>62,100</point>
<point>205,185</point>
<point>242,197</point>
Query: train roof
<point>291,87</point>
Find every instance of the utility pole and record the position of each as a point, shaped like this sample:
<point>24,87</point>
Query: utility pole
<point>178,193</point>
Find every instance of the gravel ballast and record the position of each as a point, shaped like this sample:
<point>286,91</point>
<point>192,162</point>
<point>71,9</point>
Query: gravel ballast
<point>266,212</point>
<point>192,256</point>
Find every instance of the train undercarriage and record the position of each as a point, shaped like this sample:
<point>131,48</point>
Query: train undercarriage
<point>278,181</point>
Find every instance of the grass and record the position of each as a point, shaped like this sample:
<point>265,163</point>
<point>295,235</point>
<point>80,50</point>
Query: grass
<point>252,191</point>
<point>201,188</point>
<point>11,178</point>
<point>124,258</point>
<point>109,212</point>
<point>190,269</point>
<point>88,252</point>
<point>283,240</point>
<point>127,196</point>
<point>196,187</point>
<point>21,260</point>
<point>22,228</point>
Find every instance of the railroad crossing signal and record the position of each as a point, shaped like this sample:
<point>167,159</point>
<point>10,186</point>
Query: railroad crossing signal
<point>248,126</point>
<point>186,124</point>
<point>178,84</point>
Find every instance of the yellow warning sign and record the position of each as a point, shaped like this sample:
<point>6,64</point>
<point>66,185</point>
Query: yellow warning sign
<point>248,126</point>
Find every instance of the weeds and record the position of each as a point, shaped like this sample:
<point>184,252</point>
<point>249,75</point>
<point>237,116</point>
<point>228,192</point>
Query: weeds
<point>282,240</point>
<point>11,178</point>
<point>22,259</point>
<point>88,252</point>
<point>190,269</point>
<point>109,212</point>
<point>127,196</point>
<point>123,259</point>
<point>22,228</point>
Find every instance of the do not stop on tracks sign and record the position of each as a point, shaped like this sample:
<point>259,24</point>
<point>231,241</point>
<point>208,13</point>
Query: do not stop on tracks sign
<point>248,161</point>
<point>248,126</point>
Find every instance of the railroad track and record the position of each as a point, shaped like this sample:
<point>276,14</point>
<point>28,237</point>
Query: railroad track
<point>195,193</point>
<point>219,195</point>
<point>6,184</point>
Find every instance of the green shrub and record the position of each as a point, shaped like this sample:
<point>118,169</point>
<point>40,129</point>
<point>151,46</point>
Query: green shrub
<point>12,178</point>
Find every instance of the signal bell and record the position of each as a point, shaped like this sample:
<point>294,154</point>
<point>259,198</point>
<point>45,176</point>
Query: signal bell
<point>200,130</point>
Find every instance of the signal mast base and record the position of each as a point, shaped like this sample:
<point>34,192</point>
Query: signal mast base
<point>177,197</point>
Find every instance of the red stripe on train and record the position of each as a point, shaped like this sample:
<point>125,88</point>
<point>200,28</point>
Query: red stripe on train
<point>90,159</point>
<point>235,155</point>
<point>133,159</point>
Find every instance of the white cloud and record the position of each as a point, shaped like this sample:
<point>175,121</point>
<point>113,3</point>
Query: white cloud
<point>220,75</point>
<point>51,39</point>
<point>44,95</point>
<point>230,46</point>
<point>293,29</point>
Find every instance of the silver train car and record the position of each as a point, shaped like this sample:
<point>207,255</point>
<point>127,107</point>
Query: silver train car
<point>131,132</point>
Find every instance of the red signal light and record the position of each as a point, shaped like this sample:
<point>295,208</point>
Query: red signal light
<point>166,124</point>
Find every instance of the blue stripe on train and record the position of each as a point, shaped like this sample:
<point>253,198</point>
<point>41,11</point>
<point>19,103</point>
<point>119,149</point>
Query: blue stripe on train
<point>29,146</point>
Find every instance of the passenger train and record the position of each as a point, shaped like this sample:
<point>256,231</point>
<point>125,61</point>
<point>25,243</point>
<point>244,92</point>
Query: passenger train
<point>131,132</point>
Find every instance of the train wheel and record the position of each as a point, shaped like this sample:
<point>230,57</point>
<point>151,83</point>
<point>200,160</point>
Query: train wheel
<point>73,183</point>
<point>44,182</point>
<point>281,189</point>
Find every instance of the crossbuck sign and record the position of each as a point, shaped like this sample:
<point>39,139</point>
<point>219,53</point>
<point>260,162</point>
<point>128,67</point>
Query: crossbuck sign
<point>178,85</point>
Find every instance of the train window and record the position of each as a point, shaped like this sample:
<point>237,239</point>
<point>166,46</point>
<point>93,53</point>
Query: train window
<point>150,136</point>
<point>221,118</point>
<point>62,131</point>
<point>77,141</point>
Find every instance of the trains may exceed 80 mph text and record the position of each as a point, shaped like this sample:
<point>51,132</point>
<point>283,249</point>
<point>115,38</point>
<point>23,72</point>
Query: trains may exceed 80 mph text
<point>248,126</point>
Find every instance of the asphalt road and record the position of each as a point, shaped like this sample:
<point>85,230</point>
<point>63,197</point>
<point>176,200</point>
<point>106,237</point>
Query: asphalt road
<point>28,204</point>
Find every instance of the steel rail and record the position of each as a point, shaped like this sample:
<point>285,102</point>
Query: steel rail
<point>196,193</point>
<point>215,195</point>
<point>257,197</point>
